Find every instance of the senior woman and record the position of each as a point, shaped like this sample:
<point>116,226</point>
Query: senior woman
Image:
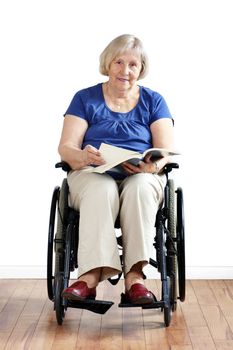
<point>121,113</point>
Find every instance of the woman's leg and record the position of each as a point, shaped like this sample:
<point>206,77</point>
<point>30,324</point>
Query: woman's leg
<point>140,198</point>
<point>96,197</point>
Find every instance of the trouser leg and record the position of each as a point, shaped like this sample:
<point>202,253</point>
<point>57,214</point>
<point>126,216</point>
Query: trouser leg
<point>140,197</point>
<point>96,197</point>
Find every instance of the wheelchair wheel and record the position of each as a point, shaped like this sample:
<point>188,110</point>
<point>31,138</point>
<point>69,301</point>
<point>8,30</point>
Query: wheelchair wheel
<point>58,301</point>
<point>166,296</point>
<point>50,276</point>
<point>181,243</point>
<point>171,245</point>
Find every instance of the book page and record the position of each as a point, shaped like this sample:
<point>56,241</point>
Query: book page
<point>114,156</point>
<point>157,153</point>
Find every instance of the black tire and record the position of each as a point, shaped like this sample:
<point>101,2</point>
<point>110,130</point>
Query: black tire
<point>167,316</point>
<point>167,310</point>
<point>58,301</point>
<point>172,246</point>
<point>62,215</point>
<point>50,258</point>
<point>181,244</point>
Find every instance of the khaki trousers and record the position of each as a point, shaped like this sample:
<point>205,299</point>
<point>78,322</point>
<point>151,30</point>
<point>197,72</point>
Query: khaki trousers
<point>99,199</point>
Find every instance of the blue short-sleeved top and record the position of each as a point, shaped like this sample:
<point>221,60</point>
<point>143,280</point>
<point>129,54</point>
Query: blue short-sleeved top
<point>130,130</point>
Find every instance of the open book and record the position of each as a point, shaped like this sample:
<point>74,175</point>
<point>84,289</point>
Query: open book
<point>114,156</point>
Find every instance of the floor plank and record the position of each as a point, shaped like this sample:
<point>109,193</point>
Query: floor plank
<point>8,286</point>
<point>224,298</point>
<point>199,332</point>
<point>28,318</point>
<point>46,329</point>
<point>201,338</point>
<point>14,307</point>
<point>112,326</point>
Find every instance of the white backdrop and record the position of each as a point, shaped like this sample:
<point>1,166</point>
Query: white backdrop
<point>50,49</point>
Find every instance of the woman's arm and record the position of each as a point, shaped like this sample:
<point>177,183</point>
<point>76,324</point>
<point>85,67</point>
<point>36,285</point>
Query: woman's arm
<point>70,146</point>
<point>162,132</point>
<point>162,137</point>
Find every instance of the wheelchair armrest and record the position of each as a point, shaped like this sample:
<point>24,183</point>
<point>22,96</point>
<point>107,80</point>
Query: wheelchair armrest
<point>65,166</point>
<point>168,167</point>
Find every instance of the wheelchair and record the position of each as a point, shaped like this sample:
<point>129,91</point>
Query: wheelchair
<point>169,243</point>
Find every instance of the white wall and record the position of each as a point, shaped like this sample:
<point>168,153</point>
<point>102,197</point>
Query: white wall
<point>50,49</point>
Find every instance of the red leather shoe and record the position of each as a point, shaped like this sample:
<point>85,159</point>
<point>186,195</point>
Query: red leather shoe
<point>79,291</point>
<point>139,294</point>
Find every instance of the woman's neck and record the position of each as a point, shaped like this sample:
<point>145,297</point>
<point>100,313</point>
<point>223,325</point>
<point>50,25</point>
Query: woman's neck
<point>120,101</point>
<point>115,93</point>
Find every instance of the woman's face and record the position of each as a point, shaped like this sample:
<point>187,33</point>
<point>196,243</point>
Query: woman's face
<point>124,70</point>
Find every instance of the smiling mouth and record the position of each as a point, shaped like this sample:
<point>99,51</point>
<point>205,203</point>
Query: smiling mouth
<point>123,80</point>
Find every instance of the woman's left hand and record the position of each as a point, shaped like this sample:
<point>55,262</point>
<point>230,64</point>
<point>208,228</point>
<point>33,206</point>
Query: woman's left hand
<point>142,167</point>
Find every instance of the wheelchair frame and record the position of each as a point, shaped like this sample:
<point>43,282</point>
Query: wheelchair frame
<point>169,242</point>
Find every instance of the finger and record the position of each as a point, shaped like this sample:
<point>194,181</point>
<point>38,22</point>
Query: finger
<point>147,167</point>
<point>95,158</point>
<point>128,171</point>
<point>143,167</point>
<point>130,168</point>
<point>92,149</point>
<point>147,158</point>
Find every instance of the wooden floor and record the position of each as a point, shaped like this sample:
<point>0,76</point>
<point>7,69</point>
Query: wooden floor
<point>203,321</point>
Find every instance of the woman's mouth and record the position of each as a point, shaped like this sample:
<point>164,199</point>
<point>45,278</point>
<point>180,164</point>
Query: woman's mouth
<point>123,80</point>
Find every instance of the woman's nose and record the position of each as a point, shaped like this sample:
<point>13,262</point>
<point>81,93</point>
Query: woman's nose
<point>125,69</point>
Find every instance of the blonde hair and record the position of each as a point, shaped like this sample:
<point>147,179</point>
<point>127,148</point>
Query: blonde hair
<point>120,45</point>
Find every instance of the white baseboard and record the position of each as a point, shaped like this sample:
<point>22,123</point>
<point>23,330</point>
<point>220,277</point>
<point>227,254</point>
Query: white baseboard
<point>192,272</point>
<point>209,272</point>
<point>22,271</point>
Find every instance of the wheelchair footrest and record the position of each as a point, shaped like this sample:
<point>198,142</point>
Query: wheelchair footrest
<point>126,303</point>
<point>97,306</point>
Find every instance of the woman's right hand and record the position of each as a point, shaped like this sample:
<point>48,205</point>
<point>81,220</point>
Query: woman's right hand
<point>92,156</point>
<point>80,158</point>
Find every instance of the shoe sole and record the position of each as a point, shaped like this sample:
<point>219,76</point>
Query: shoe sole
<point>76,297</point>
<point>143,301</point>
